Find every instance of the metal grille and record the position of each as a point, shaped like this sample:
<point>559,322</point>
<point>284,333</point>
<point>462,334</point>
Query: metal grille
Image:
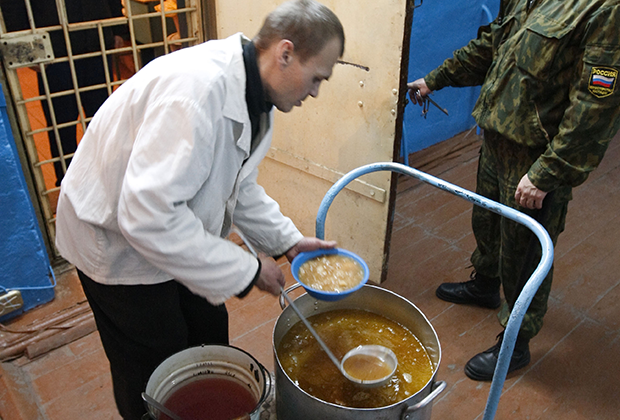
<point>51,70</point>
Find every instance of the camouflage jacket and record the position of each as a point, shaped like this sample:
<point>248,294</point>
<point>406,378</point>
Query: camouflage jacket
<point>549,74</point>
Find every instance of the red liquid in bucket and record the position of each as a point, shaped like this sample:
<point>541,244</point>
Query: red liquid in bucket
<point>212,398</point>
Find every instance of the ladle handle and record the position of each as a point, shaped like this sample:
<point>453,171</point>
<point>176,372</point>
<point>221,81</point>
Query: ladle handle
<point>292,305</point>
<point>290,289</point>
<point>312,331</point>
<point>156,405</point>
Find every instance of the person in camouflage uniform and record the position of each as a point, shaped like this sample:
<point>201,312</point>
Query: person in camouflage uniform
<point>549,105</point>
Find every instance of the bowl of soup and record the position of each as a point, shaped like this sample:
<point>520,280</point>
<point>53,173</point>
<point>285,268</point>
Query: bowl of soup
<point>330,274</point>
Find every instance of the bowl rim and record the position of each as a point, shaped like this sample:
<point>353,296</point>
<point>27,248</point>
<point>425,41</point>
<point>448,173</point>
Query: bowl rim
<point>302,257</point>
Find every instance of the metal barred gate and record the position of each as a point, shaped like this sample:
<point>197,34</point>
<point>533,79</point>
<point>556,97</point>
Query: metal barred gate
<point>63,58</point>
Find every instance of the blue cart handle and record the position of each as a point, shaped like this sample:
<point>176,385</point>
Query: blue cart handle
<point>530,288</point>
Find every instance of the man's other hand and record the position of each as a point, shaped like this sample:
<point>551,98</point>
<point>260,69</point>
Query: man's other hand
<point>271,277</point>
<point>418,91</point>
<point>308,244</point>
<point>528,195</point>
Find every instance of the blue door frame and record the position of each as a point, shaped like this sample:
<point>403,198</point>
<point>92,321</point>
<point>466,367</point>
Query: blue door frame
<point>24,262</point>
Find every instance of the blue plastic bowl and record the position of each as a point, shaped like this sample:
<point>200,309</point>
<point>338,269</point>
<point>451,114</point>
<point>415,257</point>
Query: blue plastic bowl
<point>320,294</point>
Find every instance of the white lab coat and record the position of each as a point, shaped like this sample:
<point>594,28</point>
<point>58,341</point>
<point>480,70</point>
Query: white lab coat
<point>160,176</point>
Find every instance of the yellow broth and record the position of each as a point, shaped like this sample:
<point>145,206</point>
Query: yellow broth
<point>331,273</point>
<point>310,368</point>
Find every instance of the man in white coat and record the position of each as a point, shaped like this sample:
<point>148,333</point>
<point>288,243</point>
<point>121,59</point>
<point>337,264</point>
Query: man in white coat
<point>167,165</point>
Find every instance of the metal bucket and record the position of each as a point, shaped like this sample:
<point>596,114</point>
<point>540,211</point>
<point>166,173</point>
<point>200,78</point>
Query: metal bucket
<point>293,403</point>
<point>209,361</point>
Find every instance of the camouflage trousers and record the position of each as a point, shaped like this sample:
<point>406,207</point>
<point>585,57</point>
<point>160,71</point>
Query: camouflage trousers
<point>507,249</point>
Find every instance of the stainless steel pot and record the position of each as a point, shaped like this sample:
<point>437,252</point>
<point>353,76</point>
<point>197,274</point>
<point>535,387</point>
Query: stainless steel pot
<point>293,403</point>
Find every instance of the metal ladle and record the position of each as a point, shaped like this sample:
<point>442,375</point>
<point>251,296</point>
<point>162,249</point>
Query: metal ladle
<point>381,354</point>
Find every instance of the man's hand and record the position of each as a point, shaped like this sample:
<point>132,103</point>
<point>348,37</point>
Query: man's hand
<point>271,277</point>
<point>418,91</point>
<point>527,195</point>
<point>308,244</point>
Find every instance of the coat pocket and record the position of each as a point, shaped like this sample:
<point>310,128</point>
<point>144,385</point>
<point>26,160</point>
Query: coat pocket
<point>539,50</point>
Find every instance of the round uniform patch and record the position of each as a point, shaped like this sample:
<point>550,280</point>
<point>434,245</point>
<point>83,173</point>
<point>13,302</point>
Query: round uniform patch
<point>602,81</point>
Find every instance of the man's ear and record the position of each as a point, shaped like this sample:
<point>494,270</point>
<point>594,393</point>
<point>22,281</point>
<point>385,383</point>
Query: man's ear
<point>285,51</point>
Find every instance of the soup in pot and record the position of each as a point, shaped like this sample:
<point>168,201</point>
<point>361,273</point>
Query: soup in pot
<point>331,273</point>
<point>213,397</point>
<point>309,367</point>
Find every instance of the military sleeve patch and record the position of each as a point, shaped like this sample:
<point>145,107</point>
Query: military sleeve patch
<point>602,81</point>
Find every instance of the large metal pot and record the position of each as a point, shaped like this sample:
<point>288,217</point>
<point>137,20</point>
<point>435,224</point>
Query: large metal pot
<point>293,403</point>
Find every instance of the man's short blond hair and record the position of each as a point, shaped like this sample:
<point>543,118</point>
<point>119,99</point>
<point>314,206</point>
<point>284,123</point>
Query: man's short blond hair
<point>308,24</point>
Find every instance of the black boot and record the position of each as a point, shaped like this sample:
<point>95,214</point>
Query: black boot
<point>479,290</point>
<point>481,367</point>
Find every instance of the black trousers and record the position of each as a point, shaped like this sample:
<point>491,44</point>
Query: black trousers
<point>140,326</point>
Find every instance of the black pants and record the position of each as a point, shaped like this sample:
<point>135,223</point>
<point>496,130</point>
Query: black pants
<point>140,326</point>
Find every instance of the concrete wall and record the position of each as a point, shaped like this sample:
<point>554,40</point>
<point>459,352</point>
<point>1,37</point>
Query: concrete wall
<point>439,28</point>
<point>24,263</point>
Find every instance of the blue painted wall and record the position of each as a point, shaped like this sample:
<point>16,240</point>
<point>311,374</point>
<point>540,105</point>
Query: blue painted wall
<point>24,263</point>
<point>439,28</point>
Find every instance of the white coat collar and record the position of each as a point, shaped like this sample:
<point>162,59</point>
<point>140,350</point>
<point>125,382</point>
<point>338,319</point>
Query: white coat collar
<point>235,106</point>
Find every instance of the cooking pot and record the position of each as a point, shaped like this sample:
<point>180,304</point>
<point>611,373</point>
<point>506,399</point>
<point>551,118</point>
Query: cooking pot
<point>209,361</point>
<point>293,403</point>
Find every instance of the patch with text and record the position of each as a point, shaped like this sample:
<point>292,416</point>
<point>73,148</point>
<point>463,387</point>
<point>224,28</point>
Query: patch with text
<point>602,81</point>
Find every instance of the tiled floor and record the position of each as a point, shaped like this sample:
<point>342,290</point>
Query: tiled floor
<point>575,360</point>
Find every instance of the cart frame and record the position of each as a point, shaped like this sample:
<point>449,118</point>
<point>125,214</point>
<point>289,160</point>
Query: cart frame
<point>526,295</point>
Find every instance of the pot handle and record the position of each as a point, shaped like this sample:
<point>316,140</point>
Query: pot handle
<point>268,382</point>
<point>290,289</point>
<point>438,387</point>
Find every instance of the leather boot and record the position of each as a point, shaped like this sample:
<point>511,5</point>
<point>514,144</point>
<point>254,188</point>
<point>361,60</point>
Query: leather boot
<point>481,367</point>
<point>479,290</point>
